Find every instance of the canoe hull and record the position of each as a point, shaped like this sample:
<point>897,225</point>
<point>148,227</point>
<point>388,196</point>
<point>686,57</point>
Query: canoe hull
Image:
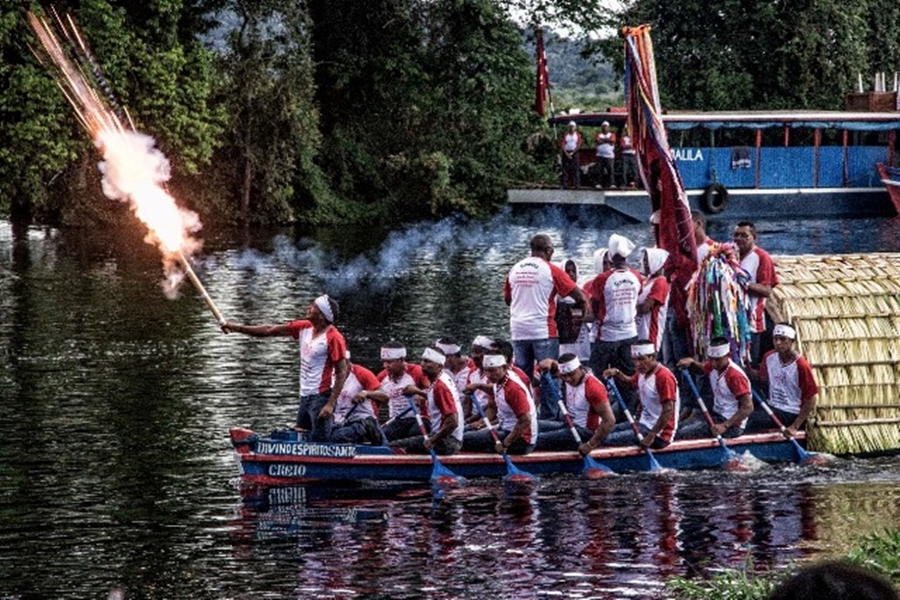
<point>281,459</point>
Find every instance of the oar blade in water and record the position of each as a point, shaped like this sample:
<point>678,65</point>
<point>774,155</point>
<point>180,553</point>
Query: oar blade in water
<point>442,476</point>
<point>594,470</point>
<point>516,475</point>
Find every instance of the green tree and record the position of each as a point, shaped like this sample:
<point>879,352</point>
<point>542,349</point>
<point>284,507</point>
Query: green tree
<point>153,63</point>
<point>272,135</point>
<point>424,104</point>
<point>730,54</point>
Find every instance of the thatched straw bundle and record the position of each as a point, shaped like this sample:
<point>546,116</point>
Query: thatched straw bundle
<point>846,310</point>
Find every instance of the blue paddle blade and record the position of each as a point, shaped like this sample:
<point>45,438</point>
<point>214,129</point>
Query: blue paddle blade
<point>654,464</point>
<point>594,470</point>
<point>441,475</point>
<point>515,474</point>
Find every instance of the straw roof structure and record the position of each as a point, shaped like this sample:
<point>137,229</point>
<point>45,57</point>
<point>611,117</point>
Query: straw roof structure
<point>846,309</point>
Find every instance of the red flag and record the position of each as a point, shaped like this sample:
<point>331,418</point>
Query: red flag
<point>542,85</point>
<point>674,227</point>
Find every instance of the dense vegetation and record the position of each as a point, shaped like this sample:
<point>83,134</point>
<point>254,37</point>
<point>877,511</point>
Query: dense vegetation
<point>327,111</point>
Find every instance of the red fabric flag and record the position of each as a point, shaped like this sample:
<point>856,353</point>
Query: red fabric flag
<point>673,226</point>
<point>542,84</point>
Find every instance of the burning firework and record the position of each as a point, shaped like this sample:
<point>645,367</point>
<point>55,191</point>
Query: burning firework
<point>133,169</point>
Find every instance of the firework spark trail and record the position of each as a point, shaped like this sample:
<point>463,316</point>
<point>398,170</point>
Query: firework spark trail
<point>133,169</point>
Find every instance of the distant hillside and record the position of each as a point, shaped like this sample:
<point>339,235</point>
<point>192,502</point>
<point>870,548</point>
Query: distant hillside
<point>578,83</point>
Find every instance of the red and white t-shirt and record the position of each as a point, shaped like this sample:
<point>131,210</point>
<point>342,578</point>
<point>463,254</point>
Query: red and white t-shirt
<point>461,377</point>
<point>412,375</point>
<point>442,401</point>
<point>727,385</point>
<point>318,355</point>
<point>531,289</point>
<point>359,379</point>
<point>791,384</point>
<point>477,375</point>
<point>704,249</point>
<point>616,295</point>
<point>654,388</point>
<point>650,325</point>
<point>513,399</point>
<point>582,398</point>
<point>760,269</point>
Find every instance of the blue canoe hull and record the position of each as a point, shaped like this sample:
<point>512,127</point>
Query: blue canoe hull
<point>742,203</point>
<point>281,459</point>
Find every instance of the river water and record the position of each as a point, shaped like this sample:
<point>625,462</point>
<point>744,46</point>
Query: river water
<point>116,472</point>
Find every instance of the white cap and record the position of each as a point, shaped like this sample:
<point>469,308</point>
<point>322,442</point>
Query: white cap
<point>325,307</point>
<point>656,258</point>
<point>621,245</point>
<point>482,341</point>
<point>493,360</point>
<point>572,124</point>
<point>604,124</point>
<point>599,256</point>
<point>448,349</point>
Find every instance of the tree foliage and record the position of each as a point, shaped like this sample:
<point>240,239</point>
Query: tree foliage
<point>730,54</point>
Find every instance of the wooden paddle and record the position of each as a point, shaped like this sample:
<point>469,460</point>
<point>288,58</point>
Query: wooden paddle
<point>803,457</point>
<point>592,469</point>
<point>611,386</point>
<point>440,475</point>
<point>513,473</point>
<point>730,460</point>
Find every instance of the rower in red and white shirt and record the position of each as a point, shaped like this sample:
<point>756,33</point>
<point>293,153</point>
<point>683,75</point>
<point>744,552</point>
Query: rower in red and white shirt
<point>396,376</point>
<point>478,386</point>
<point>653,301</point>
<point>517,426</point>
<point>660,402</point>
<point>792,385</point>
<point>732,403</point>
<point>458,366</point>
<point>445,432</point>
<point>323,363</point>
<point>586,402</point>
<point>355,414</point>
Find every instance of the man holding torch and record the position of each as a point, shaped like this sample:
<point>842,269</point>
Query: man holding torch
<point>323,362</point>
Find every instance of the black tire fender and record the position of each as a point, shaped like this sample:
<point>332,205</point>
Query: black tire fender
<point>715,198</point>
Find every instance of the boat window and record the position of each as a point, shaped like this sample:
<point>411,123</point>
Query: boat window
<point>832,137</point>
<point>801,137</point>
<point>867,138</point>
<point>772,137</point>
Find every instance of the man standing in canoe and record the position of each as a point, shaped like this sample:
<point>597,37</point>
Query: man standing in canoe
<point>323,362</point>
<point>442,403</point>
<point>531,289</point>
<point>762,278</point>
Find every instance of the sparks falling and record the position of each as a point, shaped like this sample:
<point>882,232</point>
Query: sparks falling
<point>133,169</point>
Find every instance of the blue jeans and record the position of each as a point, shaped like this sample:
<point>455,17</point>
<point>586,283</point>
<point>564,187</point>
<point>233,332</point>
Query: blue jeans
<point>482,441</point>
<point>528,352</point>
<point>561,438</point>
<point>623,435</point>
<point>308,416</point>
<point>700,429</point>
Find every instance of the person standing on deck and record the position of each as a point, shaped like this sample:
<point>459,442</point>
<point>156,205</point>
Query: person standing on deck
<point>586,402</point>
<point>445,432</point>
<point>530,290</point>
<point>396,376</point>
<point>732,403</point>
<point>323,362</point>
<point>653,301</point>
<point>762,278</point>
<point>571,165</point>
<point>614,295</point>
<point>629,161</point>
<point>517,427</point>
<point>792,386</point>
<point>659,402</point>
<point>703,242</point>
<point>355,414</point>
<point>606,155</point>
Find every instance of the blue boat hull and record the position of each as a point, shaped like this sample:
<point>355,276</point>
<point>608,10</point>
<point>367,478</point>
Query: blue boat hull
<point>281,459</point>
<point>747,204</point>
